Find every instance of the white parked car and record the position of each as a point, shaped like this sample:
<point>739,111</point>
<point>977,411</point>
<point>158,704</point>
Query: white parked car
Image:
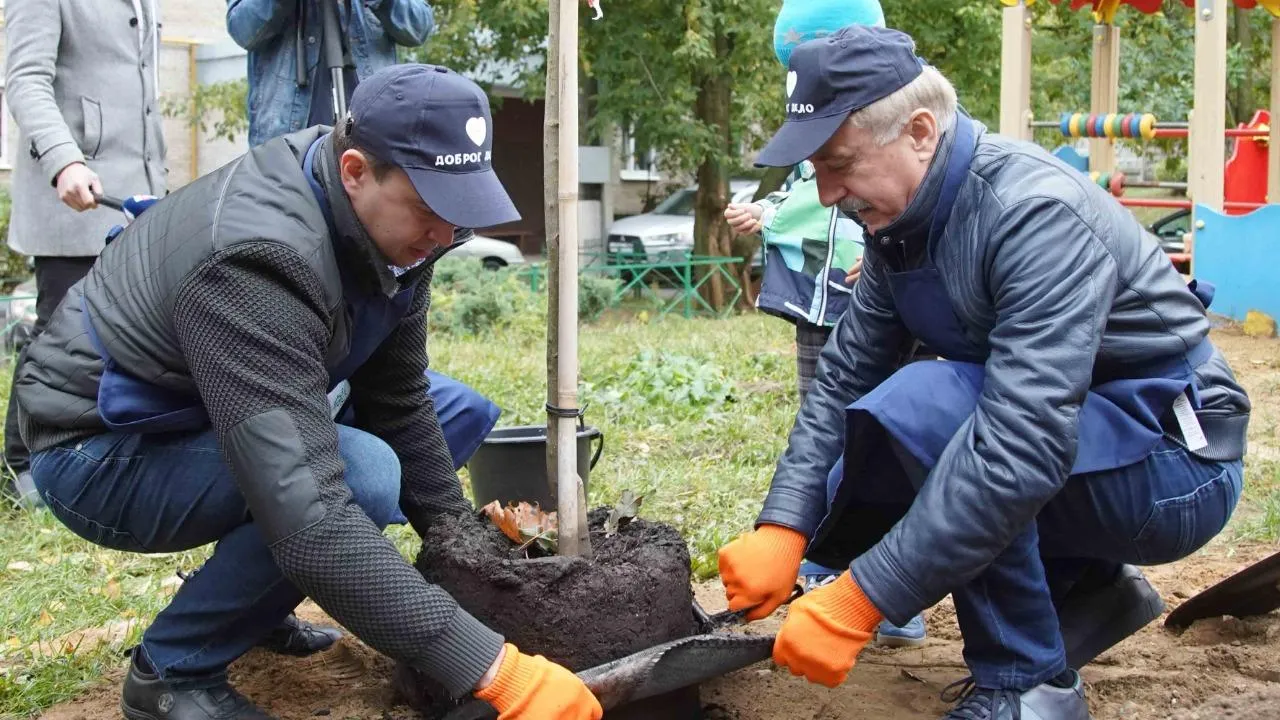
<point>493,253</point>
<point>668,229</point>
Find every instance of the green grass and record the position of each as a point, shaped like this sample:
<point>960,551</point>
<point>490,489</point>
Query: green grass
<point>1258,517</point>
<point>695,414</point>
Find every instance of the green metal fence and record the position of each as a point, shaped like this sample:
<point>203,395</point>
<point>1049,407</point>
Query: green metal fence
<point>682,275</point>
<point>14,311</point>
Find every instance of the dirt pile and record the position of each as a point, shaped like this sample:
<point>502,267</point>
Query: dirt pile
<point>633,594</point>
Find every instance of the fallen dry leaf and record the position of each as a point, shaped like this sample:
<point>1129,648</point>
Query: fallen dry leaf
<point>89,639</point>
<point>624,511</point>
<point>524,523</point>
<point>45,618</point>
<point>907,674</point>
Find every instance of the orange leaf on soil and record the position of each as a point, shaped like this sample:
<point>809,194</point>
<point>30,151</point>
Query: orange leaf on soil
<point>520,522</point>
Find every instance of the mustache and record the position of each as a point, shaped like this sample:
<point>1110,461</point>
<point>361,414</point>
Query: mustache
<point>851,205</point>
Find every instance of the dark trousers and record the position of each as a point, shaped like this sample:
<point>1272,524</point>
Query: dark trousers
<point>1152,512</point>
<point>54,277</point>
<point>809,341</point>
<point>117,490</point>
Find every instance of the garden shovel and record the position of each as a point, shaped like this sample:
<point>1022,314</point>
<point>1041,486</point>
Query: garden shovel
<point>664,668</point>
<point>1252,591</point>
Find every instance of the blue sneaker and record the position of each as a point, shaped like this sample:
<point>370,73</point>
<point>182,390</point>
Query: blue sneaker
<point>909,635</point>
<point>813,581</point>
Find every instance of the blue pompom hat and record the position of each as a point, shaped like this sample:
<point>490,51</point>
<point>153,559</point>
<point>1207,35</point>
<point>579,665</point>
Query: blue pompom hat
<point>803,20</point>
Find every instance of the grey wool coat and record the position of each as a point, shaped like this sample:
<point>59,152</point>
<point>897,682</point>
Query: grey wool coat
<point>81,80</point>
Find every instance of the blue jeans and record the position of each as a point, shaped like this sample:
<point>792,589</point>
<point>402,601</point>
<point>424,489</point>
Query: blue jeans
<point>169,492</point>
<point>1152,512</point>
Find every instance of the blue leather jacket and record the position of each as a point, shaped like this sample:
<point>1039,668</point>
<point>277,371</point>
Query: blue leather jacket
<point>268,29</point>
<point>1056,279</point>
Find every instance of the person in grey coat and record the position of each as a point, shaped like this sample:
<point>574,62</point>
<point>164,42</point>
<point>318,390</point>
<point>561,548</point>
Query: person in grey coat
<point>81,82</point>
<point>1080,423</point>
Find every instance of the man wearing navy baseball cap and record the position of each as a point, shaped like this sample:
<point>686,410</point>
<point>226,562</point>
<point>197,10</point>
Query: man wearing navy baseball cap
<point>1080,424</point>
<point>178,398</point>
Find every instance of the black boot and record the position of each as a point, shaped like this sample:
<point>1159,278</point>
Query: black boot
<point>147,697</point>
<point>1096,617</point>
<point>299,638</point>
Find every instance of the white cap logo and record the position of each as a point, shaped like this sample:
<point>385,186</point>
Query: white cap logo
<point>791,82</point>
<point>476,130</point>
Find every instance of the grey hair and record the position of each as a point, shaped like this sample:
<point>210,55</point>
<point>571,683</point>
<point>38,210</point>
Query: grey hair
<point>886,117</point>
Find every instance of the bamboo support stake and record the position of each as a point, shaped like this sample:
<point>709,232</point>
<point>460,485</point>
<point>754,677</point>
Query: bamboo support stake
<point>570,494</point>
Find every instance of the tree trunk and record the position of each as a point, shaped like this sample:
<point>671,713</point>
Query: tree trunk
<point>1245,102</point>
<point>551,211</point>
<point>710,231</point>
<point>772,180</point>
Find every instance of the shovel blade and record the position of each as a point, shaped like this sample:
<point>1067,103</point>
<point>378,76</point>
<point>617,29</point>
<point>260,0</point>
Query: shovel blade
<point>657,670</point>
<point>1252,591</point>
<point>674,665</point>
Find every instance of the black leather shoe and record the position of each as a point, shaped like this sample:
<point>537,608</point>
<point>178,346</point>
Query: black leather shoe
<point>1095,619</point>
<point>147,697</point>
<point>299,638</point>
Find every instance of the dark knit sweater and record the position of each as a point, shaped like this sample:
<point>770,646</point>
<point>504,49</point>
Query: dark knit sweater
<point>229,288</point>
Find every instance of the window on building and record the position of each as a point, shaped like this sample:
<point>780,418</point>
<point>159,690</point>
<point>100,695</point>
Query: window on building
<point>638,162</point>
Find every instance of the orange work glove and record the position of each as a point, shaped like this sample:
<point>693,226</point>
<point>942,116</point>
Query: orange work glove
<point>760,568</point>
<point>825,630</point>
<point>531,687</point>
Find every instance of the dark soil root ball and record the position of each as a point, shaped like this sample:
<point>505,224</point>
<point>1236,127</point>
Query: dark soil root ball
<point>632,595</point>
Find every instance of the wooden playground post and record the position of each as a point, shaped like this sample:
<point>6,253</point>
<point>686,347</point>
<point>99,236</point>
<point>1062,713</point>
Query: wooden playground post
<point>1104,94</point>
<point>1207,137</point>
<point>1015,72</point>
<point>1273,149</point>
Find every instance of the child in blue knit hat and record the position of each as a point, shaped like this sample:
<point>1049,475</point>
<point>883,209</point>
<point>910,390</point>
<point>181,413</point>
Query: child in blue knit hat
<point>804,20</point>
<point>796,228</point>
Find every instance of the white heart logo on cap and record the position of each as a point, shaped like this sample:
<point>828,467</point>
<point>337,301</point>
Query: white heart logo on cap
<point>476,130</point>
<point>791,82</point>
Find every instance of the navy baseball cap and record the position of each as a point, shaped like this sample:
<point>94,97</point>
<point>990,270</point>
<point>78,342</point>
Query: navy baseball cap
<point>831,77</point>
<point>435,125</point>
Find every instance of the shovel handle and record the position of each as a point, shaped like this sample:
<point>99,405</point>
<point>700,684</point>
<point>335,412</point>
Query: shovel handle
<point>737,617</point>
<point>114,203</point>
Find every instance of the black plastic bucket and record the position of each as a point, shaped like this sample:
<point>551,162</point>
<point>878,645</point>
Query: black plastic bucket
<point>511,465</point>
